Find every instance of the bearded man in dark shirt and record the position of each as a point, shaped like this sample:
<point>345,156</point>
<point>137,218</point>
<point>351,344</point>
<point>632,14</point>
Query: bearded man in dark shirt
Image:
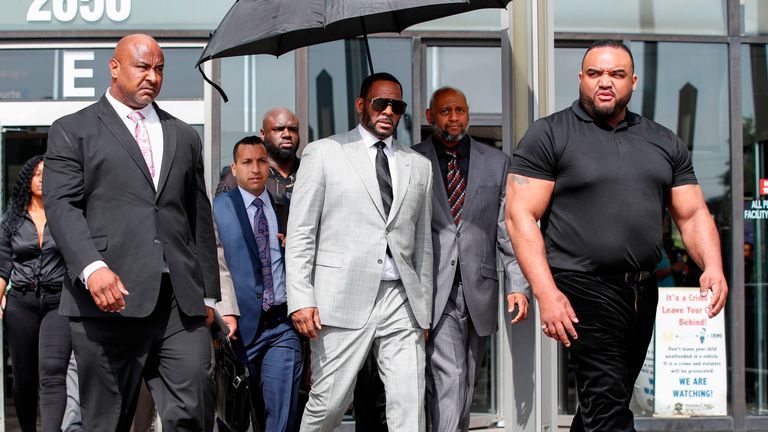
<point>599,178</point>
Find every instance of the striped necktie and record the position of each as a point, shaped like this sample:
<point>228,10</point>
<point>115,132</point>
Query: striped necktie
<point>383,176</point>
<point>456,186</point>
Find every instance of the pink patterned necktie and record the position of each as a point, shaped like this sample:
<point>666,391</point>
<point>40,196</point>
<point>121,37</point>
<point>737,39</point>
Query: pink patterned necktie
<point>142,138</point>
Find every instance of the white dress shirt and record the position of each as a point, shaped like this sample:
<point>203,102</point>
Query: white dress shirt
<point>154,130</point>
<point>276,254</point>
<point>390,271</point>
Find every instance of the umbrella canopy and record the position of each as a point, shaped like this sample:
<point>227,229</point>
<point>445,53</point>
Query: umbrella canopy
<point>279,26</point>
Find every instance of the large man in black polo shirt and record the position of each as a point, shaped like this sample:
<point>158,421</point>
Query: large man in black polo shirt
<point>599,178</point>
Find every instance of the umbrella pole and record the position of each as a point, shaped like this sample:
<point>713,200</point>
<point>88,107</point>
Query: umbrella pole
<point>367,48</point>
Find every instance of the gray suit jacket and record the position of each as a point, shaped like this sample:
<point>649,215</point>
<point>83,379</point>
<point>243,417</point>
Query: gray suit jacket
<point>338,234</point>
<point>474,242</point>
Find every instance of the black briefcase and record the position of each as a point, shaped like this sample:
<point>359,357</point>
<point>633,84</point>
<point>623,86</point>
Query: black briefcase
<point>234,410</point>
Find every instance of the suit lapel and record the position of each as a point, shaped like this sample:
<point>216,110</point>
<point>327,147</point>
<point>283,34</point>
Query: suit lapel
<point>403,163</point>
<point>113,122</point>
<point>169,147</point>
<point>438,185</point>
<point>245,224</point>
<point>361,163</point>
<point>476,163</point>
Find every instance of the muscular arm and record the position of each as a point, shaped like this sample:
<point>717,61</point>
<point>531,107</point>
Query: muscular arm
<point>527,200</point>
<point>699,234</point>
<point>517,289</point>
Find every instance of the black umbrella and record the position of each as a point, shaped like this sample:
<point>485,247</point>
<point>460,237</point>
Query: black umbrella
<point>280,26</point>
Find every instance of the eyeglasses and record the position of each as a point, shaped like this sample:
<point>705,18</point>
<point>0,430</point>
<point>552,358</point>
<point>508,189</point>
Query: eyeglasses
<point>381,104</point>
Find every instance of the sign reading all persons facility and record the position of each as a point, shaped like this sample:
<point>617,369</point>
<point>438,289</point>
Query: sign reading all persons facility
<point>690,358</point>
<point>758,209</point>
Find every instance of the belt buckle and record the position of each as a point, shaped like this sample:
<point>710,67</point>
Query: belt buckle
<point>637,276</point>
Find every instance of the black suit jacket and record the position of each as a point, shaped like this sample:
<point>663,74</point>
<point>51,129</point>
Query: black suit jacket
<point>101,204</point>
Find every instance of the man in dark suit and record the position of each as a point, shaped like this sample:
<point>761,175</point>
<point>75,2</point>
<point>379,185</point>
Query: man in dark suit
<point>467,231</point>
<point>127,204</point>
<point>251,234</point>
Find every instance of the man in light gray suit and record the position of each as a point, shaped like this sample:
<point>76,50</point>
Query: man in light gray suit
<point>467,229</point>
<point>359,261</point>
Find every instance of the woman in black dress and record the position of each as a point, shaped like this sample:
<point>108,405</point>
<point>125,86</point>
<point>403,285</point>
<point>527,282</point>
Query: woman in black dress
<point>38,337</point>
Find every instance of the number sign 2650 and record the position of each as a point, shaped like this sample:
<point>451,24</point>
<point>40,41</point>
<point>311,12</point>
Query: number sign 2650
<point>89,10</point>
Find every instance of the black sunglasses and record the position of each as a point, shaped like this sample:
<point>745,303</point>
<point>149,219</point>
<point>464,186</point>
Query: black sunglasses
<point>381,104</point>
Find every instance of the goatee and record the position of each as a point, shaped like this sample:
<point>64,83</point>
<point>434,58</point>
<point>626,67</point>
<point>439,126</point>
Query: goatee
<point>445,136</point>
<point>603,112</point>
<point>370,124</point>
<point>279,153</point>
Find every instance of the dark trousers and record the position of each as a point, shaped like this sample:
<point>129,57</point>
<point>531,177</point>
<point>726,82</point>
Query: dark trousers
<point>615,327</point>
<point>370,400</point>
<point>40,347</point>
<point>169,350</point>
<point>276,365</point>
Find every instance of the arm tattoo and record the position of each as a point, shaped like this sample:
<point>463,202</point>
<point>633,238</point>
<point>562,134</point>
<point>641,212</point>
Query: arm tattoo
<point>519,179</point>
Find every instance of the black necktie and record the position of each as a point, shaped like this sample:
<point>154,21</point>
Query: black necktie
<point>382,175</point>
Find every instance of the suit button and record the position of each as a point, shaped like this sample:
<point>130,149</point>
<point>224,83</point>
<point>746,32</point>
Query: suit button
<point>380,261</point>
<point>453,262</point>
<point>157,241</point>
<point>258,295</point>
<point>458,234</point>
<point>157,208</point>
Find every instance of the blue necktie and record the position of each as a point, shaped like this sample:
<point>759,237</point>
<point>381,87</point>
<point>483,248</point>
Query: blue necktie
<point>261,233</point>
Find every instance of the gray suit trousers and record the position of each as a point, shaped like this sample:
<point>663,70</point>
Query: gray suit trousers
<point>454,350</point>
<point>338,354</point>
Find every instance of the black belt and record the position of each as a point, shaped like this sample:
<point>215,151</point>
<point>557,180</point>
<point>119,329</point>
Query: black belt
<point>275,312</point>
<point>628,277</point>
<point>47,287</point>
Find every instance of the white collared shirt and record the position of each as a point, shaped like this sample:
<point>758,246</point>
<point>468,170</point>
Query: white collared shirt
<point>154,130</point>
<point>276,255</point>
<point>390,271</point>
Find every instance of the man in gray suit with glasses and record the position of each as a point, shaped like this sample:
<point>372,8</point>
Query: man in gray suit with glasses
<point>359,261</point>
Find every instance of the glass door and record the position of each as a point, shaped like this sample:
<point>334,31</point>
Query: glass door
<point>18,145</point>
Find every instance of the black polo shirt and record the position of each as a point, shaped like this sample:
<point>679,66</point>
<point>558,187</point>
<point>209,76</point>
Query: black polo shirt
<point>611,188</point>
<point>281,187</point>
